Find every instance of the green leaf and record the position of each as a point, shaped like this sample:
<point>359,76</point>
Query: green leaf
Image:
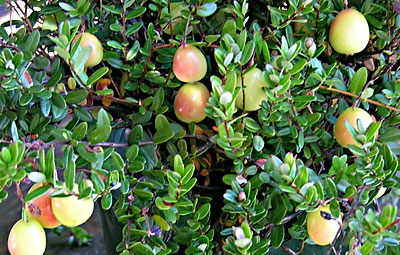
<point>158,99</point>
<point>304,99</point>
<point>82,114</point>
<point>26,98</point>
<point>66,7</point>
<point>188,186</point>
<point>164,131</point>
<point>116,27</point>
<point>106,201</point>
<point>202,212</point>
<point>99,135</point>
<point>133,51</point>
<point>141,249</point>
<point>229,28</point>
<point>258,143</point>
<point>161,222</point>
<point>388,215</point>
<point>373,129</point>
<point>55,78</point>
<point>37,193</point>
<point>89,156</point>
<point>45,107</point>
<point>366,248</point>
<point>301,177</point>
<point>179,167</point>
<point>279,210</point>
<point>266,54</point>
<point>298,66</point>
<point>351,129</point>
<point>144,194</point>
<point>149,153</point>
<point>160,205</point>
<point>277,236</point>
<point>286,188</point>
<point>50,163</point>
<point>230,84</point>
<point>132,152</point>
<point>80,131</point>
<point>96,76</point>
<point>76,96</point>
<point>42,162</point>
<point>102,119</point>
<point>63,53</point>
<point>14,132</point>
<point>32,42</point>
<point>390,135</point>
<point>79,62</point>
<point>383,35</point>
<point>136,13</point>
<point>134,28</point>
<point>41,62</point>
<point>19,176</point>
<point>358,81</point>
<point>211,38</point>
<point>138,232</point>
<point>104,92</point>
<point>330,188</point>
<point>98,183</point>
<point>36,177</point>
<point>58,100</point>
<point>189,171</point>
<point>118,161</point>
<point>207,9</point>
<point>247,52</point>
<point>69,175</point>
<point>115,45</point>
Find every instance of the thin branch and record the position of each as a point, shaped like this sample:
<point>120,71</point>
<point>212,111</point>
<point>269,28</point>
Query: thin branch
<point>355,96</point>
<point>38,145</point>
<point>112,81</point>
<point>146,66</point>
<point>114,99</point>
<point>290,217</point>
<point>170,45</point>
<point>11,30</point>
<point>186,30</point>
<point>9,46</point>
<point>288,250</point>
<point>24,17</point>
<point>124,28</point>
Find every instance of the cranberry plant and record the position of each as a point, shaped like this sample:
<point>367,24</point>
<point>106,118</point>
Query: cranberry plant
<point>241,181</point>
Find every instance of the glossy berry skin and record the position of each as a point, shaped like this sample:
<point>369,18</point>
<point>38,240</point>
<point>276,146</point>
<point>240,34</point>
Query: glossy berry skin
<point>43,203</point>
<point>27,238</point>
<point>71,211</point>
<point>190,102</point>
<point>343,136</point>
<point>254,94</point>
<point>349,32</point>
<point>189,64</point>
<point>322,231</point>
<point>89,40</point>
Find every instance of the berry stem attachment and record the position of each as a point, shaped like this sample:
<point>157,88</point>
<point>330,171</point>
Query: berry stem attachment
<point>186,30</point>
<point>21,197</point>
